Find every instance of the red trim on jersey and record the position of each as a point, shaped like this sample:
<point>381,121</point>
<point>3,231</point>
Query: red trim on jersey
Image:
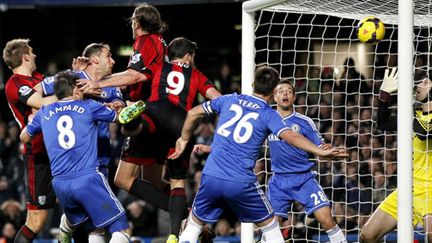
<point>31,207</point>
<point>180,192</point>
<point>31,176</point>
<point>152,125</point>
<point>153,50</point>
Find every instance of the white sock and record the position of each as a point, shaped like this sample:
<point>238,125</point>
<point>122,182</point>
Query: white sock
<point>191,233</point>
<point>271,232</point>
<point>65,225</point>
<point>96,238</point>
<point>336,235</point>
<point>119,237</point>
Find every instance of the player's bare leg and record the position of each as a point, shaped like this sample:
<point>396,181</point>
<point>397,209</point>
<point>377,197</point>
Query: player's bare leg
<point>125,175</point>
<point>127,180</point>
<point>324,217</point>
<point>153,173</point>
<point>34,224</point>
<point>427,223</point>
<point>377,226</point>
<point>270,230</point>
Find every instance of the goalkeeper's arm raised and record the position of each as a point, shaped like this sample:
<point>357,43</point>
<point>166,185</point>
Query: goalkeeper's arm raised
<point>388,86</point>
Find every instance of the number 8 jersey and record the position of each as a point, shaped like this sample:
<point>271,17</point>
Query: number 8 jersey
<point>244,123</point>
<point>70,133</point>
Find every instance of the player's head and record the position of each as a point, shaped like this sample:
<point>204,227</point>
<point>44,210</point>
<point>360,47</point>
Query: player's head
<point>147,18</point>
<point>100,57</point>
<point>284,94</point>
<point>265,80</point>
<point>423,90</point>
<point>17,52</point>
<point>65,86</point>
<point>182,48</point>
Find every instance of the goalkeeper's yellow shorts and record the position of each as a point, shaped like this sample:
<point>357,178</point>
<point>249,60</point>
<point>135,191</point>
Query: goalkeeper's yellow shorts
<point>422,201</point>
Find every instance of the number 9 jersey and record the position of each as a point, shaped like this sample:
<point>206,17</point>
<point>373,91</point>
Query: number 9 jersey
<point>244,123</point>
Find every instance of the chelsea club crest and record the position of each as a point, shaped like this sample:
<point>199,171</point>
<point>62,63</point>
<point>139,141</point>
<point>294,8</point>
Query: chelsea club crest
<point>295,127</point>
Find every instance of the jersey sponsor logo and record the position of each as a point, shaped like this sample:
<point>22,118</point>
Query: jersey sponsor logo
<point>295,127</point>
<point>135,58</point>
<point>273,138</point>
<point>42,200</point>
<point>24,90</point>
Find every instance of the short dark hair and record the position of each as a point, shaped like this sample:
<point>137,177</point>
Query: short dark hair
<point>181,46</point>
<point>94,49</point>
<point>14,51</point>
<point>149,19</point>
<point>64,84</point>
<point>265,80</point>
<point>287,81</point>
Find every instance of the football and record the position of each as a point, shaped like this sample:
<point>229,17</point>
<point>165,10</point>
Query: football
<point>370,30</point>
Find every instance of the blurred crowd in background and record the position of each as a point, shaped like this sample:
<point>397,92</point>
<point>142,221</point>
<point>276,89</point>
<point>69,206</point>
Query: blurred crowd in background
<point>343,110</point>
<point>343,107</point>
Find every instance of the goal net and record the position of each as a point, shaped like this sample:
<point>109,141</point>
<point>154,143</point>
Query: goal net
<point>313,43</point>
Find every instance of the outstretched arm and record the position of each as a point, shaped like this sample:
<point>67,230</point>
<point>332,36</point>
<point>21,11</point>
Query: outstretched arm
<point>128,77</point>
<point>299,141</point>
<point>192,117</point>
<point>212,93</point>
<point>36,100</point>
<point>390,83</point>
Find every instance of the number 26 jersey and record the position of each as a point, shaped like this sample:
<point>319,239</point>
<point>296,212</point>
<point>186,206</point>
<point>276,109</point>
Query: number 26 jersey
<point>244,123</point>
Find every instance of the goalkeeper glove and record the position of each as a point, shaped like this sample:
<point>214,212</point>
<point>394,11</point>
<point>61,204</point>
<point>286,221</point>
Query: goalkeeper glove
<point>389,84</point>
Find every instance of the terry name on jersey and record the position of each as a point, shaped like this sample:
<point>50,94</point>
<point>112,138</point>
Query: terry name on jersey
<point>249,104</point>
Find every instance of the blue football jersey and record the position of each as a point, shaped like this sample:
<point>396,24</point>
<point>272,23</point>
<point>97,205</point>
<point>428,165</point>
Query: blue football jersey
<point>244,123</point>
<point>287,158</point>
<point>70,133</point>
<point>109,94</point>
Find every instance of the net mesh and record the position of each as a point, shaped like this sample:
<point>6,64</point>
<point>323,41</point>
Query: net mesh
<point>313,43</point>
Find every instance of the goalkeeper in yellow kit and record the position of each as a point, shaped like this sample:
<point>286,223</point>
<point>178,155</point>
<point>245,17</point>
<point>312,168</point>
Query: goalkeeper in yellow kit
<point>384,218</point>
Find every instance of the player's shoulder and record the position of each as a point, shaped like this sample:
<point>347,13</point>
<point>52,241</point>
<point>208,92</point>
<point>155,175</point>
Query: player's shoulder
<point>305,120</point>
<point>233,97</point>
<point>17,83</point>
<point>80,74</point>
<point>154,39</point>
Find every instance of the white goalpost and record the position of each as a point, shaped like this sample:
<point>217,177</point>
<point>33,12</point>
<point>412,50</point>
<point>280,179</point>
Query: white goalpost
<point>311,43</point>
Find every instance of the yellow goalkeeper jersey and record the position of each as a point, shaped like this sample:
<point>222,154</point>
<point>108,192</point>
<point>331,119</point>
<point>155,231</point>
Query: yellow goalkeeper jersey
<point>422,146</point>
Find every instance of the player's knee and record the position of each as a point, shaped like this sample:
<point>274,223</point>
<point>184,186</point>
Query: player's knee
<point>122,182</point>
<point>36,219</point>
<point>177,183</point>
